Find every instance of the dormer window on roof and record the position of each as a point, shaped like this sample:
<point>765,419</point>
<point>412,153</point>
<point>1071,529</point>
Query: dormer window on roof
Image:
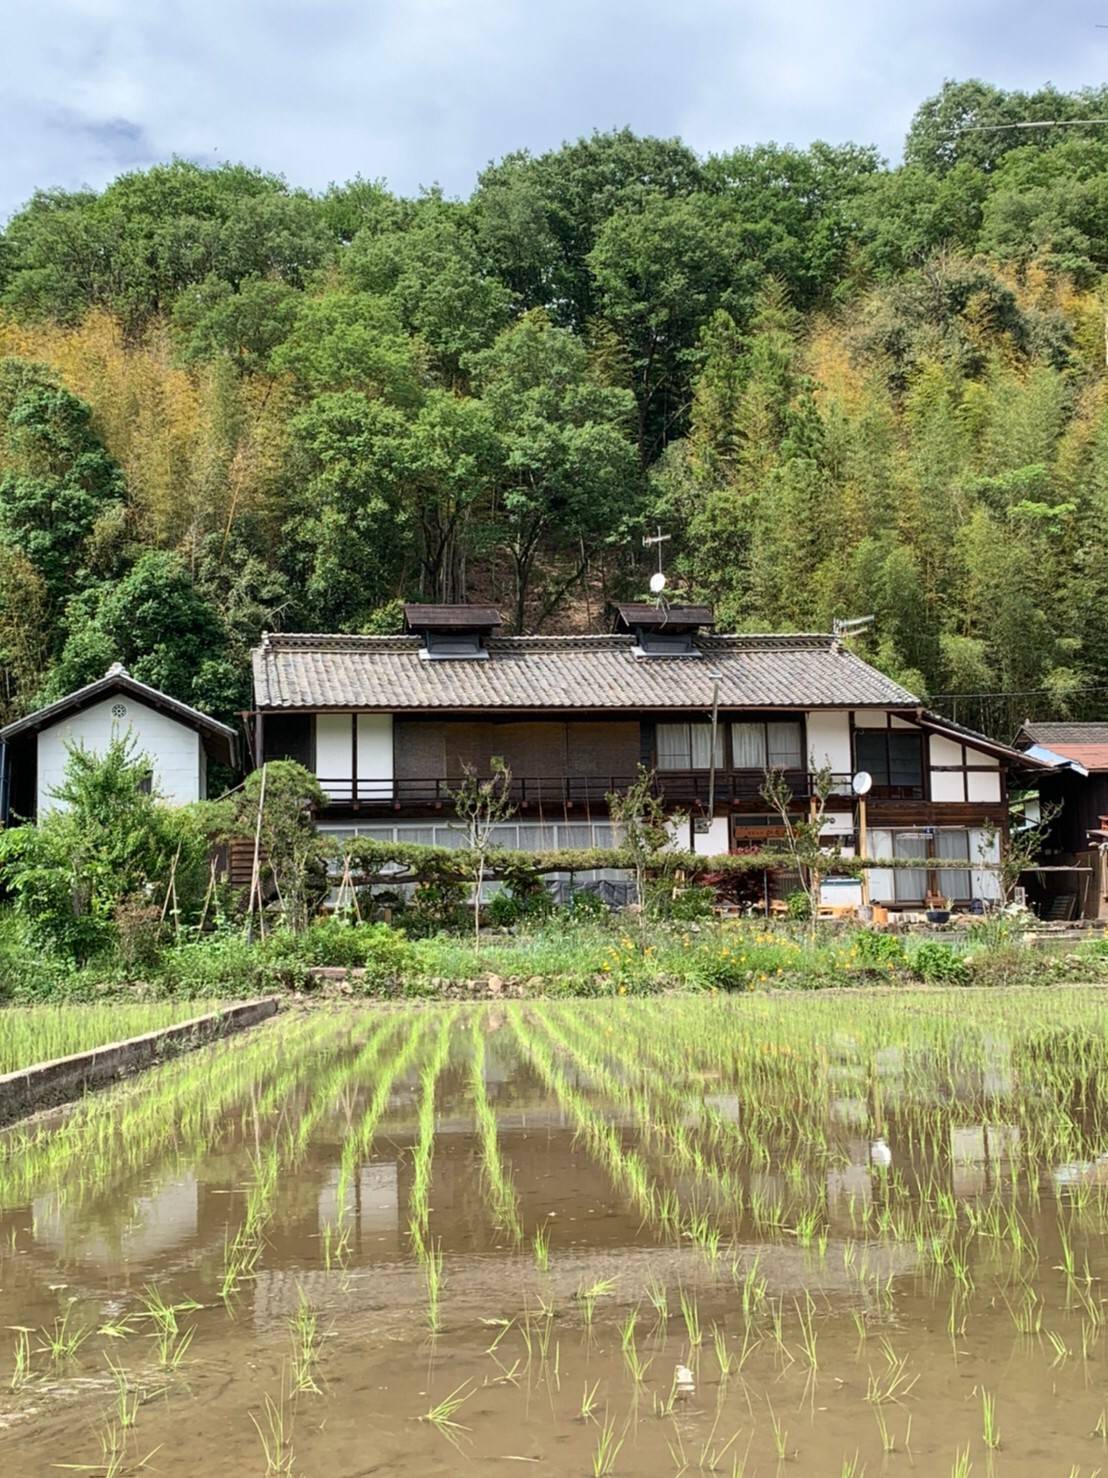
<point>455,632</point>
<point>663,631</point>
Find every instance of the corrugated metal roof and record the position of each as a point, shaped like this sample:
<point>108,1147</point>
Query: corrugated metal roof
<point>1091,756</point>
<point>571,672</point>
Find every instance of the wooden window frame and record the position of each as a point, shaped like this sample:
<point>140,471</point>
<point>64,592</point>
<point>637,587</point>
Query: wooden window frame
<point>885,790</point>
<point>765,719</point>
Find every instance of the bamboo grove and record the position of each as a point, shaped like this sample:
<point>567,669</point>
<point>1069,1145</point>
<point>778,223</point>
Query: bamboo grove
<point>228,405</point>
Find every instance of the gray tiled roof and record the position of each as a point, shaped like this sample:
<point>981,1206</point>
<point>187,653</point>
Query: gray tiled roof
<point>1066,733</point>
<point>569,672</point>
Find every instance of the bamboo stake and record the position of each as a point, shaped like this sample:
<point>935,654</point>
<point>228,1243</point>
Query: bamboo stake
<point>255,880</point>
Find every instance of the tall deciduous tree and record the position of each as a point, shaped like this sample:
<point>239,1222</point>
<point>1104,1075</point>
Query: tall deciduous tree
<point>569,472</point>
<point>57,478</point>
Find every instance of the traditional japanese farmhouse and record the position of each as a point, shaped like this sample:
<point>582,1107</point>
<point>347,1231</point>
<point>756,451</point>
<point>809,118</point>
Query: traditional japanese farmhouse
<point>179,742</point>
<point>389,725</point>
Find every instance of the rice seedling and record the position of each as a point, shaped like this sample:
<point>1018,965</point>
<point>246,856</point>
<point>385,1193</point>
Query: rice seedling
<point>275,1435</point>
<point>690,1313</point>
<point>23,1360</point>
<point>990,1432</point>
<point>442,1414</point>
<point>780,1434</point>
<point>608,1448</point>
<point>126,1398</point>
<point>502,1197</point>
<point>588,1401</point>
<point>32,1034</point>
<point>62,1340</point>
<point>304,1332</point>
<point>588,1294</point>
<point>725,1359</point>
<point>540,1247</point>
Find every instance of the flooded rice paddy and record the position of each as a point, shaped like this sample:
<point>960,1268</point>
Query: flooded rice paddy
<point>829,1235</point>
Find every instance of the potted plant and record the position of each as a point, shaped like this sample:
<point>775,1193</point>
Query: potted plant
<point>940,915</point>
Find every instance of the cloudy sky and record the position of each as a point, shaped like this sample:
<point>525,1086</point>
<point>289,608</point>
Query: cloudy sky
<point>425,91</point>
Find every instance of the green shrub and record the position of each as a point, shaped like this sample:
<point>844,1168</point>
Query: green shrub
<point>111,844</point>
<point>688,904</point>
<point>585,907</point>
<point>799,905</point>
<point>508,907</point>
<point>878,951</point>
<point>937,964</point>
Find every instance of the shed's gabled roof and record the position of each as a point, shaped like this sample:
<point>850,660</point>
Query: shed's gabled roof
<point>558,673</point>
<point>1083,744</point>
<point>630,614</point>
<point>219,739</point>
<point>451,618</point>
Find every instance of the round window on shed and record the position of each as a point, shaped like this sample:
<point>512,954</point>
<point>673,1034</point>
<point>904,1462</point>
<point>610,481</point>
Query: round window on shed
<point>119,710</point>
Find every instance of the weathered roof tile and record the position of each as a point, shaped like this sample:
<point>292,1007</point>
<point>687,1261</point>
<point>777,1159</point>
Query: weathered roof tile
<point>571,672</point>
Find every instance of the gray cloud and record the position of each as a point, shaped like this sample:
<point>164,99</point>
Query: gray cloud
<point>424,91</point>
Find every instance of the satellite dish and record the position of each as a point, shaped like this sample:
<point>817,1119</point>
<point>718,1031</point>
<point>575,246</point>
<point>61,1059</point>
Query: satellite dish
<point>861,782</point>
<point>657,583</point>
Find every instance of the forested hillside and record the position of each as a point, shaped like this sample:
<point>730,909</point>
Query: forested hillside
<point>227,404</point>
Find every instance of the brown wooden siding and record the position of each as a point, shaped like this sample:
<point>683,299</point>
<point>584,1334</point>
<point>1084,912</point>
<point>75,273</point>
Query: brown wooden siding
<point>430,749</point>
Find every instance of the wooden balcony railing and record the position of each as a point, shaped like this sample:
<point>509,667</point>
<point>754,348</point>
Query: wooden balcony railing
<point>681,787</point>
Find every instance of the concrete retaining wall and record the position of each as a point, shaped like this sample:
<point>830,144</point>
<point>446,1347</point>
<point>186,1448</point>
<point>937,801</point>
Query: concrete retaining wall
<point>48,1083</point>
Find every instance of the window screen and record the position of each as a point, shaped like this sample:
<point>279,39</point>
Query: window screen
<point>768,746</point>
<point>673,746</point>
<point>910,882</point>
<point>784,746</point>
<point>748,746</point>
<point>954,882</point>
<point>688,746</point>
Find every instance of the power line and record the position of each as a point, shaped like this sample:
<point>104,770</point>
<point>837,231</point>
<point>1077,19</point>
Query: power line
<point>1019,693</point>
<point>1046,123</point>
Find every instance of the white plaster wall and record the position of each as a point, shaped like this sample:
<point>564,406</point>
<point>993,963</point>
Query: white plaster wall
<point>870,718</point>
<point>333,753</point>
<point>680,833</point>
<point>945,751</point>
<point>947,785</point>
<point>714,841</point>
<point>375,754</point>
<point>174,750</point>
<point>983,787</point>
<point>829,740</point>
<point>979,757</point>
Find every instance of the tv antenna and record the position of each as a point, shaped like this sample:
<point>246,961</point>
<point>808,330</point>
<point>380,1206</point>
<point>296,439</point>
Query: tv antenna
<point>850,627</point>
<point>658,578</point>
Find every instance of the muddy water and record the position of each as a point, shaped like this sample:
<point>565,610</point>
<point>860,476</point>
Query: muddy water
<point>852,1338</point>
